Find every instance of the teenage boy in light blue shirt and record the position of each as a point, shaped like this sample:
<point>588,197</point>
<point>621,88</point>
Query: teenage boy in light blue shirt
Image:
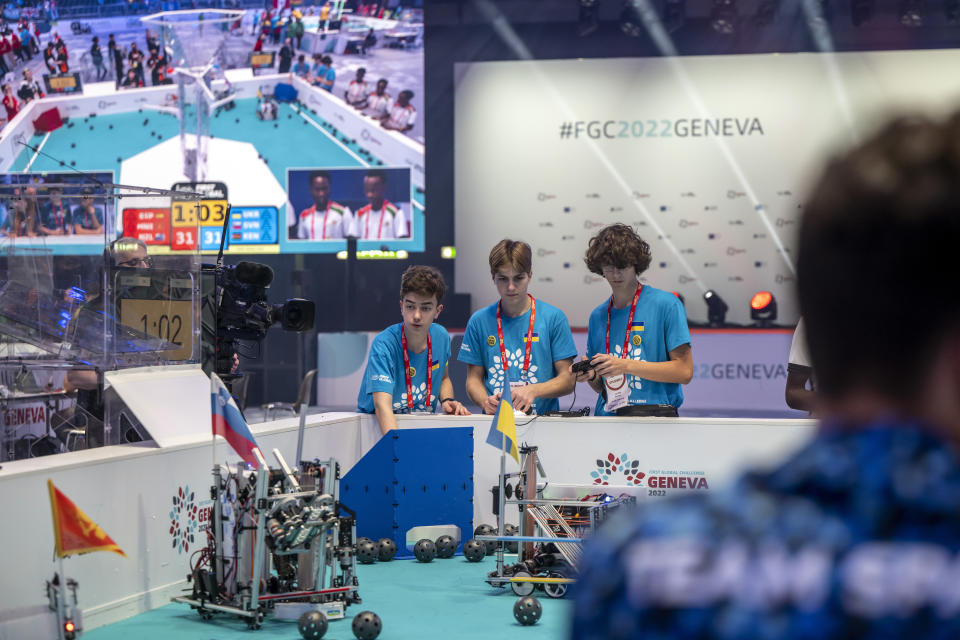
<point>407,366</point>
<point>532,337</point>
<point>646,364</point>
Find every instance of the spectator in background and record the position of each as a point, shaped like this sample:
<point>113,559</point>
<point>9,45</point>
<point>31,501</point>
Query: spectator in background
<point>318,71</point>
<point>301,68</point>
<point>379,102</point>
<point>402,114</point>
<point>62,65</point>
<point>117,55</point>
<point>131,81</point>
<point>324,14</point>
<point>26,42</point>
<point>258,45</point>
<point>17,47</point>
<point>24,210</point>
<point>356,94</point>
<point>50,58</point>
<point>54,215</point>
<point>96,56</point>
<point>35,41</point>
<point>298,31</point>
<point>30,89</point>
<point>4,50</point>
<point>286,56</point>
<point>10,102</point>
<point>87,218</point>
<point>326,82</point>
<point>135,58</point>
<point>152,42</point>
<point>369,42</point>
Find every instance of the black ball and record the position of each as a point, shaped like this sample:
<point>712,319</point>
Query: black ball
<point>62,163</point>
<point>527,610</point>
<point>424,550</point>
<point>366,552</point>
<point>237,120</point>
<point>312,625</point>
<point>73,145</point>
<point>110,126</point>
<point>274,125</point>
<point>73,163</point>
<point>289,116</point>
<point>362,538</point>
<point>119,159</point>
<point>145,121</point>
<point>474,550</point>
<point>386,549</point>
<point>487,530</point>
<point>366,625</point>
<point>91,127</point>
<point>511,530</point>
<point>446,546</point>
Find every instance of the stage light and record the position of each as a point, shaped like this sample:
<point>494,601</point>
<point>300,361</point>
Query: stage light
<point>716,309</point>
<point>911,13</point>
<point>448,253</point>
<point>589,20</point>
<point>763,308</point>
<point>630,22</point>
<point>861,11</point>
<point>723,17</point>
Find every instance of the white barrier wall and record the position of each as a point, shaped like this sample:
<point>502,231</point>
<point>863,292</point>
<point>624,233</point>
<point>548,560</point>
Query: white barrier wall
<point>129,491</point>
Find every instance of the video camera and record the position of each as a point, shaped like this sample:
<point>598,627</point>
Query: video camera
<point>239,310</point>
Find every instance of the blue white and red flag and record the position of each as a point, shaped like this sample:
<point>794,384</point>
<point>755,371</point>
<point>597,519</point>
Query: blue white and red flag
<point>229,423</point>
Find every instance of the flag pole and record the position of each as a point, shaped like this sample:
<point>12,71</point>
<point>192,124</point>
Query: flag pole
<point>61,599</point>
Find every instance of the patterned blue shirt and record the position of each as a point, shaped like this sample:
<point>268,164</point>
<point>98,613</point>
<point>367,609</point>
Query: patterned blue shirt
<point>552,341</point>
<point>658,326</point>
<point>384,371</point>
<point>857,535</point>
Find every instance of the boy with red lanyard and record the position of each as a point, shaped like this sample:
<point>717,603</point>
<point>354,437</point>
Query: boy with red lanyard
<point>532,337</point>
<point>637,341</point>
<point>381,219</point>
<point>407,366</point>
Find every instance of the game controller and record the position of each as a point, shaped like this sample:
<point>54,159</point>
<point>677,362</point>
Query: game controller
<point>581,367</point>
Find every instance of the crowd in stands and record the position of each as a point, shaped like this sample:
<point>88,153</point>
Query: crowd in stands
<point>133,76</point>
<point>19,43</point>
<point>397,114</point>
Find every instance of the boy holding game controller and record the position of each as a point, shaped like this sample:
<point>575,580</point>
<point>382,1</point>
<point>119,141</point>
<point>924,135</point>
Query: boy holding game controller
<point>638,344</point>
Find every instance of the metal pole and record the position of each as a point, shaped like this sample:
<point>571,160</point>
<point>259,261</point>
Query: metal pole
<point>61,599</point>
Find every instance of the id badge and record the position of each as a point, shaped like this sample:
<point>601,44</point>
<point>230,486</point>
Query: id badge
<point>618,393</point>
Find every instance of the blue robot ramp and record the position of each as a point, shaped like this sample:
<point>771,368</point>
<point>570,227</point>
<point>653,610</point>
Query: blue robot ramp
<point>412,478</point>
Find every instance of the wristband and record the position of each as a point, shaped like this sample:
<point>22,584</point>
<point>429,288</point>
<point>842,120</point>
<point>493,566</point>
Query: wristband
<point>442,400</point>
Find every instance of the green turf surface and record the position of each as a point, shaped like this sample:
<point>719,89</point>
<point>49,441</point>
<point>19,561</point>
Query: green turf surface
<point>444,599</point>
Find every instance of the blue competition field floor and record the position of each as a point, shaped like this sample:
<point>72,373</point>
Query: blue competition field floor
<point>443,599</point>
<point>294,140</point>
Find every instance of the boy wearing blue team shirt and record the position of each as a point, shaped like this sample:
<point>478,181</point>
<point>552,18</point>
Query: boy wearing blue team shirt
<point>646,364</point>
<point>407,366</point>
<point>518,340</point>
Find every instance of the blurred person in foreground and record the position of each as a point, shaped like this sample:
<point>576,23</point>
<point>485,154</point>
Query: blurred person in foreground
<point>857,534</point>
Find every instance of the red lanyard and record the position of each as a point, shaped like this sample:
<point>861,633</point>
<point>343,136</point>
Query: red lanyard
<point>59,217</point>
<point>503,352</point>
<point>366,226</point>
<point>313,219</point>
<point>626,334</point>
<point>406,368</point>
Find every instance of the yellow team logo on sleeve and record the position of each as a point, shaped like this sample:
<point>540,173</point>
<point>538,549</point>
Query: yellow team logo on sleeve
<point>636,341</point>
<point>491,340</point>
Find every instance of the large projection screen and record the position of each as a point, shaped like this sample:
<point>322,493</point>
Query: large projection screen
<point>707,157</point>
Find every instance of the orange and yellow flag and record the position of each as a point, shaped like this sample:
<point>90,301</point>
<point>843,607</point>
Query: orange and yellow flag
<point>73,530</point>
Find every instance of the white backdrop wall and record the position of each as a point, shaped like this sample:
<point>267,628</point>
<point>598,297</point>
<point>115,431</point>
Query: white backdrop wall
<point>707,157</point>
